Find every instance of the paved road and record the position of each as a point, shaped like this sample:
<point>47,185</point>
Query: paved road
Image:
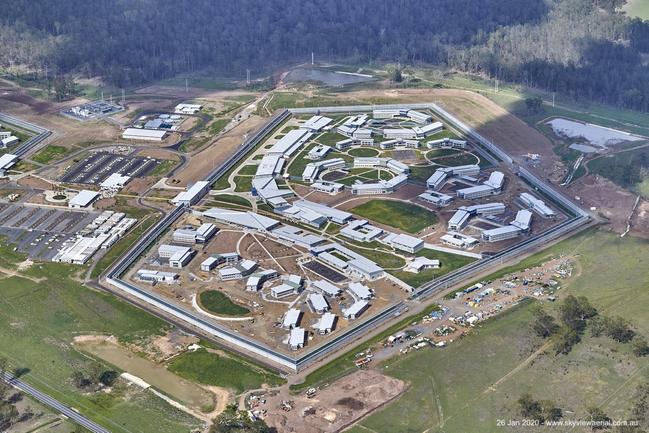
<point>54,404</point>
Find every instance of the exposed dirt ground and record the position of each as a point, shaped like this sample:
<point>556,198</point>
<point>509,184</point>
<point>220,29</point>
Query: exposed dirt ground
<point>335,407</point>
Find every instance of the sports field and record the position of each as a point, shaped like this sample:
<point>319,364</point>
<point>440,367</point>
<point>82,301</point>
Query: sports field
<point>477,380</point>
<point>401,215</point>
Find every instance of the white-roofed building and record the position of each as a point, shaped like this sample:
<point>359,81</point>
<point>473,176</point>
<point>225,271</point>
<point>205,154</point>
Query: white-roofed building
<point>474,192</point>
<point>459,240</point>
<point>318,303</point>
<point>193,194</point>
<point>326,324</point>
<point>326,287</point>
<point>297,236</point>
<point>328,187</point>
<point>187,108</point>
<point>144,134</point>
<point>270,166</point>
<point>282,291</point>
<point>446,143</point>
<point>399,133</point>
<point>318,152</point>
<point>437,198</point>
<point>355,310</point>
<point>421,264</point>
<point>115,182</point>
<point>523,220</point>
<point>459,219</point>
<point>361,230</point>
<point>336,215</point>
<point>290,143</point>
<point>501,233</point>
<point>237,272</point>
<point>291,318</point>
<point>83,199</point>
<point>360,291</point>
<point>152,276</point>
<point>537,205</point>
<point>403,242</point>
<point>9,141</point>
<point>496,180</point>
<point>247,219</point>
<point>178,256</point>
<point>419,117</point>
<point>316,123</point>
<point>296,338</point>
<point>426,130</point>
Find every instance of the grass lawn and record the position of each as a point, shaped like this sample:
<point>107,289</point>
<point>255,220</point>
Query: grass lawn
<point>50,153</point>
<point>363,152</point>
<point>637,8</point>
<point>611,272</point>
<point>248,170</point>
<point>232,199</point>
<point>165,166</point>
<point>38,321</point>
<point>242,183</point>
<point>616,167</point>
<point>422,173</point>
<point>218,124</point>
<point>405,216</point>
<point>218,370</point>
<point>384,259</point>
<point>218,303</point>
<point>330,138</point>
<point>454,161</point>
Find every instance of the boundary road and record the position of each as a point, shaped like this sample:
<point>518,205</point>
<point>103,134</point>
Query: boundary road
<point>53,403</point>
<point>223,335</point>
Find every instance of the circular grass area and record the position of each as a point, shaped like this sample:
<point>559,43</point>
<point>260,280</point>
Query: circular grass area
<point>218,303</point>
<point>363,152</point>
<point>59,197</point>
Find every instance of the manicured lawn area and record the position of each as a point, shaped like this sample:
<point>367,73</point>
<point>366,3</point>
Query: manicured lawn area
<point>218,303</point>
<point>453,161</point>
<point>232,199</point>
<point>405,216</point>
<point>384,259</point>
<point>50,153</point>
<point>330,138</point>
<point>363,152</point>
<point>218,370</point>
<point>248,170</point>
<point>38,322</point>
<point>243,183</point>
<point>422,173</point>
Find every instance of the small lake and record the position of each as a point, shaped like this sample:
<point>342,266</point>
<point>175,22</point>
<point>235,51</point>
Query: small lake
<point>329,78</point>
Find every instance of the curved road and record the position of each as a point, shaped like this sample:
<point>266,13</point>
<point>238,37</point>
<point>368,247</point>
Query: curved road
<point>53,403</point>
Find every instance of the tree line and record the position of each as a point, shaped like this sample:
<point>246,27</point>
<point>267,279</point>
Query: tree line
<point>583,48</point>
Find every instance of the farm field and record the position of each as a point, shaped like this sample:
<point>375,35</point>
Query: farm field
<point>405,216</point>
<point>65,309</point>
<point>610,274</point>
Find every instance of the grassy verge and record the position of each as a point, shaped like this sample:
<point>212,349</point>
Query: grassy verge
<point>231,199</point>
<point>218,303</point>
<point>405,216</point>
<point>449,262</point>
<point>229,372</point>
<point>50,153</point>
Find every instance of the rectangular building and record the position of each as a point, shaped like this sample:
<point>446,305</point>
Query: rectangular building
<point>83,199</point>
<point>326,324</point>
<point>403,242</point>
<point>144,134</point>
<point>318,303</point>
<point>355,310</point>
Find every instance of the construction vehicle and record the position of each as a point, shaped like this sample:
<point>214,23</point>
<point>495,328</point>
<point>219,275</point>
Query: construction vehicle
<point>310,393</point>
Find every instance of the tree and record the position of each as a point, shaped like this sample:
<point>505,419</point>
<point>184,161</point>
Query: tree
<point>234,421</point>
<point>544,325</point>
<point>575,311</point>
<point>542,411</point>
<point>618,329</point>
<point>598,418</point>
<point>566,340</point>
<point>108,377</point>
<point>397,74</point>
<point>534,104</point>
<point>640,346</point>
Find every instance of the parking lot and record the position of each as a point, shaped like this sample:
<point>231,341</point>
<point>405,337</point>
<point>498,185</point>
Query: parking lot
<point>38,231</point>
<point>98,166</point>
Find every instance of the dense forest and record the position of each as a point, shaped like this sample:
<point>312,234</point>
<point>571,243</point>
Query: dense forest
<point>583,48</point>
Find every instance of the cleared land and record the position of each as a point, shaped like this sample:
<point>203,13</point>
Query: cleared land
<point>401,215</point>
<point>445,395</point>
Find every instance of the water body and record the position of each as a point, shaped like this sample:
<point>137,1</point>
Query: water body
<point>596,135</point>
<point>329,78</point>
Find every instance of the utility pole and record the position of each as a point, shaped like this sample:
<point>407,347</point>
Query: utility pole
<point>553,93</point>
<point>247,76</point>
<point>312,58</point>
<point>123,98</point>
<point>102,94</point>
<point>186,86</point>
<point>496,86</point>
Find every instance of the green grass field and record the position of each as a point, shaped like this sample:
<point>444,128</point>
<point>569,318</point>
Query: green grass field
<point>231,199</point>
<point>405,216</point>
<point>50,153</point>
<point>38,321</point>
<point>218,303</point>
<point>637,8</point>
<point>363,152</point>
<point>422,173</point>
<point>242,183</point>
<point>248,170</point>
<point>451,389</point>
<point>162,169</point>
<point>218,370</point>
<point>617,168</point>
